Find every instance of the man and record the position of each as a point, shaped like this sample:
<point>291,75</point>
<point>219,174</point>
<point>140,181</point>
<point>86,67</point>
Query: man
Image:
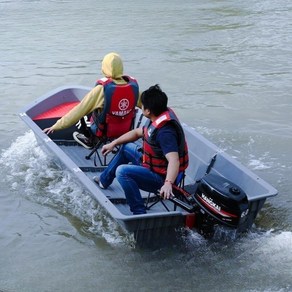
<point>163,156</point>
<point>113,85</point>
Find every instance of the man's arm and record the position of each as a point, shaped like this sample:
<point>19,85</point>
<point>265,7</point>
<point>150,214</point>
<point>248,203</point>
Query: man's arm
<point>127,137</point>
<point>171,174</point>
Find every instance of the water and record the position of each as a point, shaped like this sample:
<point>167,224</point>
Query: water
<point>226,67</point>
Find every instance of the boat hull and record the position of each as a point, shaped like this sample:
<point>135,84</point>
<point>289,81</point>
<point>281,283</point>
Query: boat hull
<point>204,157</point>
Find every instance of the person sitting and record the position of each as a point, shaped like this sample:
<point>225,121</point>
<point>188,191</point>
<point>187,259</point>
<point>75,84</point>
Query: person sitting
<point>114,85</point>
<point>164,153</point>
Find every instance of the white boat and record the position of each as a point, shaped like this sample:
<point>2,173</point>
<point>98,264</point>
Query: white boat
<point>218,190</point>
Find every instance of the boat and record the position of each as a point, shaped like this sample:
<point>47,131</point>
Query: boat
<point>217,190</point>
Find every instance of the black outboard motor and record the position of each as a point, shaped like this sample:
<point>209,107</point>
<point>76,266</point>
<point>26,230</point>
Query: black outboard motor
<point>219,201</point>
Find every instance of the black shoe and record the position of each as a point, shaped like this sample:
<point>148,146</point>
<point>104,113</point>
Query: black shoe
<point>83,140</point>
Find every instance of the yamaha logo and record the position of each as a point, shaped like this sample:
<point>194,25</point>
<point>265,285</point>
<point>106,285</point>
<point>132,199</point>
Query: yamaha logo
<point>210,202</point>
<point>123,108</point>
<point>124,104</point>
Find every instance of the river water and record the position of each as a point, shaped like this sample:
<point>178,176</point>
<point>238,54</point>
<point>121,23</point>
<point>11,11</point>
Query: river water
<point>227,69</point>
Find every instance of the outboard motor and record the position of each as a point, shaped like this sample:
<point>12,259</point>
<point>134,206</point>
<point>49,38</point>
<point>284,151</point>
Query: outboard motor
<point>219,201</point>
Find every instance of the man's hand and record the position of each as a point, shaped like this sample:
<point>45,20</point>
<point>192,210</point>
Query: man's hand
<point>172,172</point>
<point>166,190</point>
<point>48,130</point>
<point>107,148</point>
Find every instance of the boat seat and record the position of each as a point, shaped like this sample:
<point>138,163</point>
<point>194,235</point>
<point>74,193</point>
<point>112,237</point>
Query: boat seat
<point>102,160</point>
<point>155,198</point>
<point>114,127</point>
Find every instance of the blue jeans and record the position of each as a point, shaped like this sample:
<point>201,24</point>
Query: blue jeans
<point>132,177</point>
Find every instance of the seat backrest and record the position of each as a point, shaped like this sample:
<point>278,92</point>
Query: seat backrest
<point>116,126</point>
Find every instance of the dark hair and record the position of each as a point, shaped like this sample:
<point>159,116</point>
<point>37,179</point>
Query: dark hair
<point>155,100</point>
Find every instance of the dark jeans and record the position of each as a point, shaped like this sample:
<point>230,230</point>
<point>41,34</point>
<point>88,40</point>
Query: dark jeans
<point>132,177</point>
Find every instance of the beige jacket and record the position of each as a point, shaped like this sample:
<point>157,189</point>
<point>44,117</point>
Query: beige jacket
<point>112,67</point>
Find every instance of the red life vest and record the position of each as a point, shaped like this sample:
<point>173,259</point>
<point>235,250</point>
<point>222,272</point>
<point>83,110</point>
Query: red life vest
<point>153,157</point>
<point>119,107</point>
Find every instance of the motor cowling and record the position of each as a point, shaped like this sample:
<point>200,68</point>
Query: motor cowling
<point>221,201</point>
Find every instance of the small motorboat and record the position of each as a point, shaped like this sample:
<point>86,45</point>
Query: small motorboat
<point>217,191</point>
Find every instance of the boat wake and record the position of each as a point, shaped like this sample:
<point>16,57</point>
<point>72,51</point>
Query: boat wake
<point>32,173</point>
<point>264,253</point>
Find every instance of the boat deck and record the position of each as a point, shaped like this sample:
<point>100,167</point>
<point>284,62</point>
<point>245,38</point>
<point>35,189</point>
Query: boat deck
<point>115,192</point>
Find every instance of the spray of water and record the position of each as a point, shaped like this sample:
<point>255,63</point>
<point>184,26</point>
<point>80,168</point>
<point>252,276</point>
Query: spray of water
<point>30,172</point>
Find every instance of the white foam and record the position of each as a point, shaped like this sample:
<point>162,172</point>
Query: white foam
<point>32,173</point>
<point>269,247</point>
<point>257,164</point>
